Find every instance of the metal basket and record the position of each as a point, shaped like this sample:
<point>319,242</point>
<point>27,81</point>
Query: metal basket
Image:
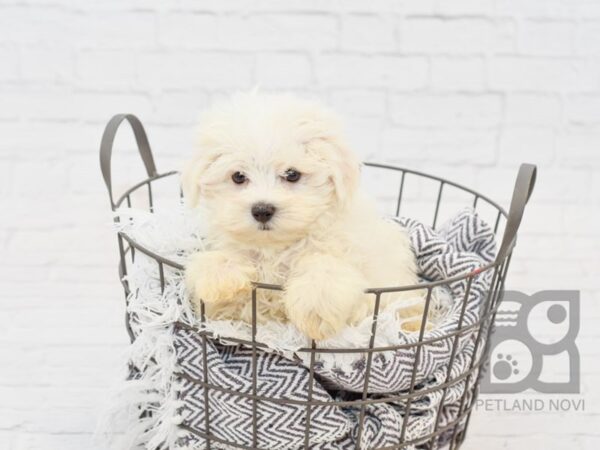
<point>452,434</point>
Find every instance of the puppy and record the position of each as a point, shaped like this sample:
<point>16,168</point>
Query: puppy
<point>279,187</point>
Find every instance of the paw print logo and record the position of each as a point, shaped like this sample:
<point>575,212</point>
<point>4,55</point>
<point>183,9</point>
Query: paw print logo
<point>505,367</point>
<point>510,363</point>
<point>533,340</point>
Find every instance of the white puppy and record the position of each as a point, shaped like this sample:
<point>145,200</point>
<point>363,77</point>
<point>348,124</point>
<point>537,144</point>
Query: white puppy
<point>279,186</point>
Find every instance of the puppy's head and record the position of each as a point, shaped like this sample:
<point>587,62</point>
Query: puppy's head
<point>269,167</point>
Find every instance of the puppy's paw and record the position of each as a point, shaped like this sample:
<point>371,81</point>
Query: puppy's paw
<point>320,310</point>
<point>217,276</point>
<point>412,314</point>
<point>315,325</point>
<point>323,294</point>
<point>414,325</point>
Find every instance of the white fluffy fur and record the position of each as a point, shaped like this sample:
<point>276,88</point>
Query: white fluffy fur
<point>325,243</point>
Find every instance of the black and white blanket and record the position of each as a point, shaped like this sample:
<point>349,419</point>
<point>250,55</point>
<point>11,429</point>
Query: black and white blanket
<point>171,358</point>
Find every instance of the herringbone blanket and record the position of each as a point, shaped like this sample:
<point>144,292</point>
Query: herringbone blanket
<point>170,355</point>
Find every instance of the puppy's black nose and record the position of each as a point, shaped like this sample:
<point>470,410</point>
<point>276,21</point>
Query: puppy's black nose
<point>263,212</point>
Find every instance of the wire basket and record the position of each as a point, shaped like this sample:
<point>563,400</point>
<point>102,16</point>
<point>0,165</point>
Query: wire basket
<point>450,435</point>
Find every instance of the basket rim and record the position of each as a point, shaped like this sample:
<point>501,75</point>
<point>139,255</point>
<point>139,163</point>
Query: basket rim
<point>276,287</point>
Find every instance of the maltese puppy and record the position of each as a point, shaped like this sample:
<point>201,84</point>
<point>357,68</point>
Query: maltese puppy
<point>279,187</point>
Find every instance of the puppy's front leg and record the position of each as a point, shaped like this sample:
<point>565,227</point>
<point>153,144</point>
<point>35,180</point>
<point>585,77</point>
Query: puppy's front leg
<point>323,294</point>
<point>217,276</point>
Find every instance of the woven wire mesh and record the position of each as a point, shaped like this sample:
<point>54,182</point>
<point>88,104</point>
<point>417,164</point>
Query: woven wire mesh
<point>449,435</point>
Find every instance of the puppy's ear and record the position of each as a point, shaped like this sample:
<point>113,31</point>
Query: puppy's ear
<point>322,135</point>
<point>208,143</point>
<point>192,177</point>
<point>343,165</point>
<point>346,173</point>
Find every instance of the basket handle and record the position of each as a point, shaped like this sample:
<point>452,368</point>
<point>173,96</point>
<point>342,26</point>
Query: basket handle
<point>523,189</point>
<point>106,147</point>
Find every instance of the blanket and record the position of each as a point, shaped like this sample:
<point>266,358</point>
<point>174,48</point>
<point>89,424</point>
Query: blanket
<point>169,354</point>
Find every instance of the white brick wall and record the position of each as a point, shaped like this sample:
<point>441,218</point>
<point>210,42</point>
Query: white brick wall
<point>462,88</point>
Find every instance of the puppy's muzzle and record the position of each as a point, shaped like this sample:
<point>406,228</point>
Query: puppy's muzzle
<point>263,212</point>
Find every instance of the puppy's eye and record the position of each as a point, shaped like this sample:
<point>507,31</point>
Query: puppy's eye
<point>238,178</point>
<point>292,175</point>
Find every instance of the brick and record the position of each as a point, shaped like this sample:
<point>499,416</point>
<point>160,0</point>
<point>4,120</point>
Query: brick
<point>448,146</point>
<point>279,32</point>
<point>65,244</point>
<point>497,182</point>
<point>31,101</point>
<point>359,102</point>
<point>40,63</point>
<point>59,316</point>
<point>582,222</point>
<point>99,106</point>
<point>560,185</point>
<point>117,29</point>
<point>465,7</point>
<point>446,111</point>
<point>83,336</point>
<point>504,40</point>
<point>66,421</point>
<point>64,441</point>
<point>596,186</point>
<point>207,70</point>
<point>188,6</point>
<point>97,69</point>
<point>589,10</point>
<point>259,6</point>
<point>275,70</point>
<point>582,247</point>
<point>544,247</point>
<point>579,148</point>
<point>178,108</point>
<point>10,419</point>
<point>519,145</point>
<point>9,69</point>
<point>188,30</point>
<point>323,6</point>
<point>328,6</point>
<point>6,170</point>
<point>458,74</point>
<point>537,9</point>
<point>379,6</point>
<point>455,36</point>
<point>24,137</point>
<point>546,37</point>
<point>39,179</point>
<point>583,109</point>
<point>368,32</point>
<point>532,109</point>
<point>542,74</point>
<point>42,25</point>
<point>363,135</point>
<point>397,72</point>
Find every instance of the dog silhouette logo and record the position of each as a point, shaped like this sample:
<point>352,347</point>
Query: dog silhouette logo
<point>533,344</point>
